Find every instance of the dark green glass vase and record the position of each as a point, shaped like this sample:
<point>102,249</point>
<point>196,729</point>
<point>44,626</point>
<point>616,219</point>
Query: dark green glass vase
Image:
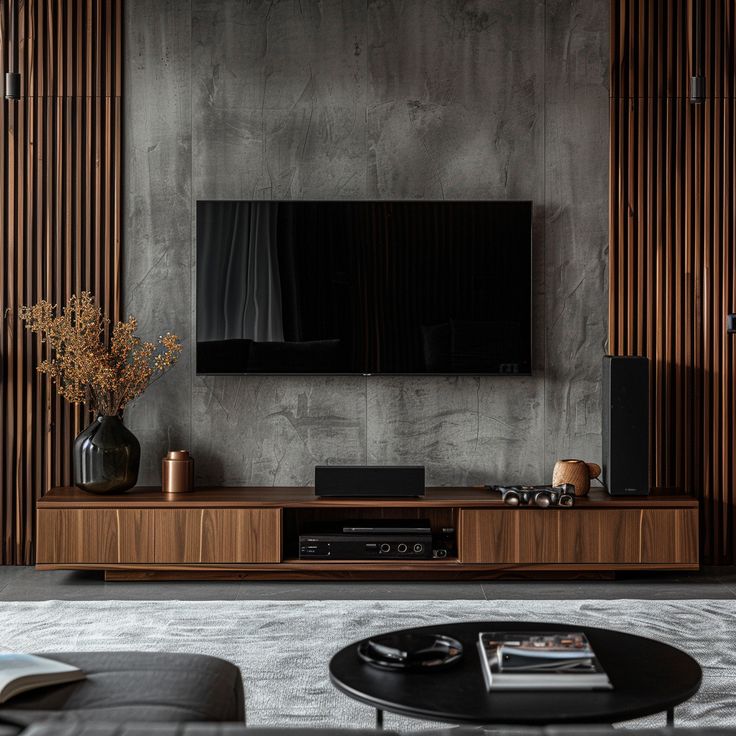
<point>107,456</point>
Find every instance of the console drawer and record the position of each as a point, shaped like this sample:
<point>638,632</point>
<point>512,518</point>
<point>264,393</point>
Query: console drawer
<point>94,536</point>
<point>158,536</point>
<point>217,535</point>
<point>615,537</point>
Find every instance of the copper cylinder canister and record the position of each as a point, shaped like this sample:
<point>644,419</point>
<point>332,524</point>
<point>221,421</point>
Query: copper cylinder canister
<point>177,472</point>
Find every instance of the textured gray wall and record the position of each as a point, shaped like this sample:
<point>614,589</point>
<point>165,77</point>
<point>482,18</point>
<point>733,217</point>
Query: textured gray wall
<point>376,99</point>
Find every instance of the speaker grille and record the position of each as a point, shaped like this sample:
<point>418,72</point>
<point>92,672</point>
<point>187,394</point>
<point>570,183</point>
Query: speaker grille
<point>625,425</point>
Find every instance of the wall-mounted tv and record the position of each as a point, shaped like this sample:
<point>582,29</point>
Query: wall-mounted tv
<point>364,287</point>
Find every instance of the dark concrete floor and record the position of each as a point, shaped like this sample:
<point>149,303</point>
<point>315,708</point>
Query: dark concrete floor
<point>28,584</point>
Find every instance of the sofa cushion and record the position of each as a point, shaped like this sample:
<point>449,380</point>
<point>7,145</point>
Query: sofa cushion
<point>136,686</point>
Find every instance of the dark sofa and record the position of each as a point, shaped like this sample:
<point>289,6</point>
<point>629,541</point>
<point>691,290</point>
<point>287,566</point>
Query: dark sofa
<point>133,687</point>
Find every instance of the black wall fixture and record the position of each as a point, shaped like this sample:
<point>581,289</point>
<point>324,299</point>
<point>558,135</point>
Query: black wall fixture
<point>697,46</point>
<point>12,77</point>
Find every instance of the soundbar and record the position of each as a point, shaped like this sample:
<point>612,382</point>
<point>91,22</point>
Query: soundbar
<point>369,481</point>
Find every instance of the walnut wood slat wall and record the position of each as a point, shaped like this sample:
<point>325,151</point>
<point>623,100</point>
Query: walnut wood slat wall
<point>672,243</point>
<point>60,163</point>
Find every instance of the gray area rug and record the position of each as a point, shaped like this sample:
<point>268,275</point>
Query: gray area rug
<point>283,647</point>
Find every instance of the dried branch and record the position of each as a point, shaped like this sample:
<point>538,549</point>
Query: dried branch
<point>84,367</point>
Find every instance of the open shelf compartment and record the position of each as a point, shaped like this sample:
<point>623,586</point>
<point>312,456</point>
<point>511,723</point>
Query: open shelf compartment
<point>297,520</point>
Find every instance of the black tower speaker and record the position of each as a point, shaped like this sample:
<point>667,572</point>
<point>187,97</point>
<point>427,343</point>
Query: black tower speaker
<point>626,425</point>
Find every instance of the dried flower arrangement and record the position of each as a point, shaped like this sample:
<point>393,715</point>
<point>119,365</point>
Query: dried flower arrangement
<point>85,366</point>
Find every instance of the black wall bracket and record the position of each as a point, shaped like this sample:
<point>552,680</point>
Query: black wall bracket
<point>697,45</point>
<point>12,77</point>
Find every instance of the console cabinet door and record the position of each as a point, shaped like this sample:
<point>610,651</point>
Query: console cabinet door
<point>158,536</point>
<point>669,535</point>
<point>610,537</point>
<point>197,536</point>
<point>94,536</point>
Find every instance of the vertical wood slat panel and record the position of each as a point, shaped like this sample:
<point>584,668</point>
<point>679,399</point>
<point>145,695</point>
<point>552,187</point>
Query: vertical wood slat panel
<point>672,249</point>
<point>60,163</point>
<point>651,54</point>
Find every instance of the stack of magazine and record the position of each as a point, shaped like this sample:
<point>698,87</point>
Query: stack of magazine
<point>534,660</point>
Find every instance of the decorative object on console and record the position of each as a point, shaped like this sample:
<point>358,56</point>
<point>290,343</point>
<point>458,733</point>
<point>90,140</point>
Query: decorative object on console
<point>625,425</point>
<point>369,481</point>
<point>542,496</point>
<point>177,472</point>
<point>106,456</point>
<point>105,369</point>
<point>577,473</point>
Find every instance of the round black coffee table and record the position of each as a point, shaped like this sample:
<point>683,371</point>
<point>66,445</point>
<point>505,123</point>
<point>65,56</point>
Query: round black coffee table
<point>647,676</point>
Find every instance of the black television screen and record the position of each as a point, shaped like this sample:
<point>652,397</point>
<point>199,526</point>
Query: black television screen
<point>364,287</point>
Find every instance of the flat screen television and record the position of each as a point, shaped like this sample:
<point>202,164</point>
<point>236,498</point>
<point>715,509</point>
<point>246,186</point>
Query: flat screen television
<point>377,287</point>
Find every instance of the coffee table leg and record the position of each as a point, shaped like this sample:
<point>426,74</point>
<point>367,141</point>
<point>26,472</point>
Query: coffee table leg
<point>379,719</point>
<point>670,716</point>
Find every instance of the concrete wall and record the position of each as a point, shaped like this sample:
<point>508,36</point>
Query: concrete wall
<point>496,99</point>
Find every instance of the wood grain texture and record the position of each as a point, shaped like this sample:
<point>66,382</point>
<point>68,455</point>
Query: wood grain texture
<point>672,256</point>
<point>96,536</point>
<point>578,537</point>
<point>347,571</point>
<point>651,49</point>
<point>253,574</point>
<point>217,535</point>
<point>669,535</point>
<point>539,537</point>
<point>239,531</point>
<point>60,169</point>
<point>600,537</point>
<point>488,537</point>
<point>299,497</point>
<point>185,536</point>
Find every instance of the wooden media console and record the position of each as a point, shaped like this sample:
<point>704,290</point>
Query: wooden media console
<point>252,533</point>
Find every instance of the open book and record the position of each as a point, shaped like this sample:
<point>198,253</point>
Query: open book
<point>21,672</point>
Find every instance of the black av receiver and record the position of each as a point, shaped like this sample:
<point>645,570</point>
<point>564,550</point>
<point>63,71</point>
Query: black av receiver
<point>368,539</point>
